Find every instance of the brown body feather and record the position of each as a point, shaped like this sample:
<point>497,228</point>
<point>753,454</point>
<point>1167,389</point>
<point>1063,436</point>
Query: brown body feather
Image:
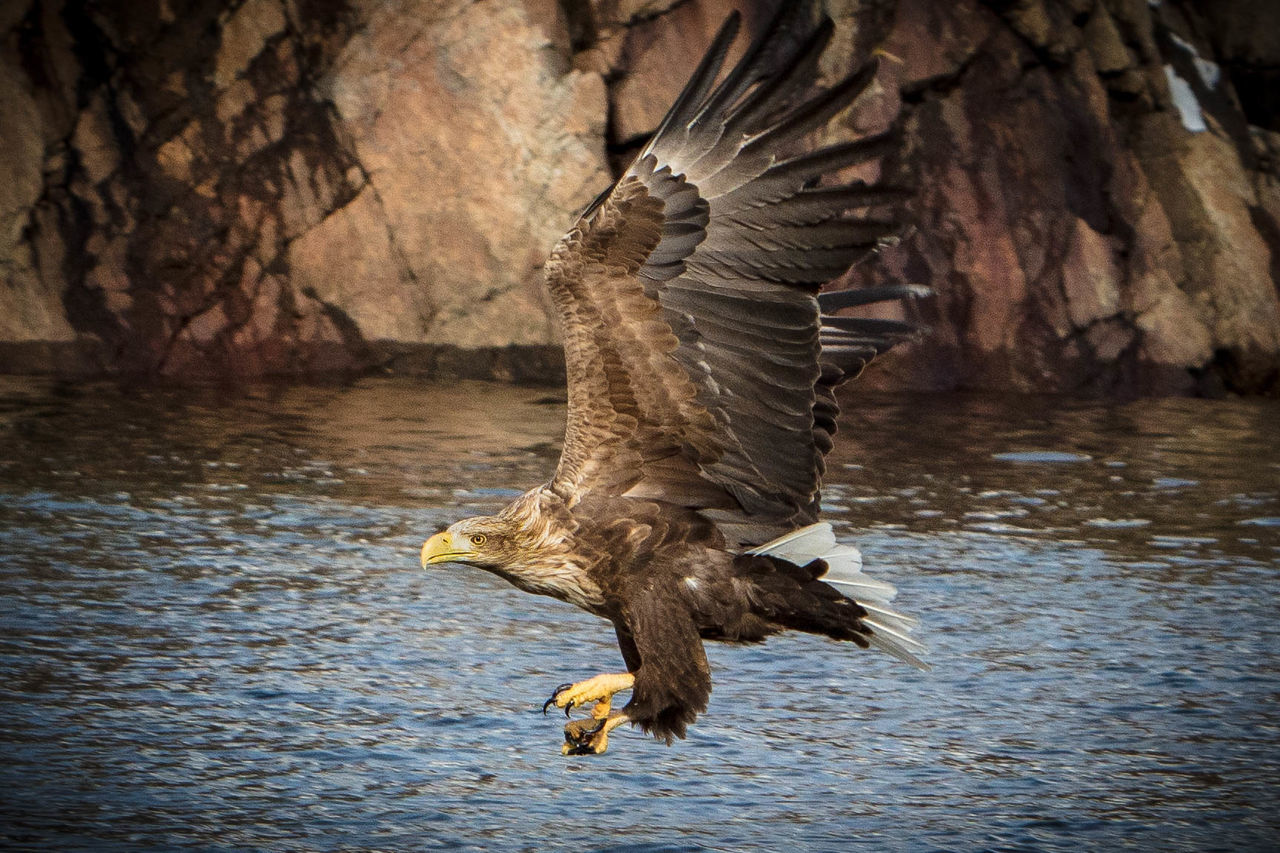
<point>701,377</point>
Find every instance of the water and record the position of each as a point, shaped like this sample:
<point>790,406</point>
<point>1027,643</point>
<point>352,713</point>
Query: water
<point>214,635</point>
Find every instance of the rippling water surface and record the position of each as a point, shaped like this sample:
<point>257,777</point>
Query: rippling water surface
<point>214,634</point>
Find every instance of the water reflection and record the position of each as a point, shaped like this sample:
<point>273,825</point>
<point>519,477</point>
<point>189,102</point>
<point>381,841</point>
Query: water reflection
<point>214,634</point>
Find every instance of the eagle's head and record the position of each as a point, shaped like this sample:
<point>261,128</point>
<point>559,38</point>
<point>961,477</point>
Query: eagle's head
<point>522,544</point>
<point>487,542</point>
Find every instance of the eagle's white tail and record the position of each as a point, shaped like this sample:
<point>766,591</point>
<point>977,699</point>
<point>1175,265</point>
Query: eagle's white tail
<point>891,629</point>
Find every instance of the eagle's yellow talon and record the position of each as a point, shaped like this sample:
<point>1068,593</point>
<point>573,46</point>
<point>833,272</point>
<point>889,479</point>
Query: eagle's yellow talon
<point>590,736</point>
<point>599,689</point>
<point>554,694</point>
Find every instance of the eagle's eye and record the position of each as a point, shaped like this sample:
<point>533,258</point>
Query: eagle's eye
<point>478,539</point>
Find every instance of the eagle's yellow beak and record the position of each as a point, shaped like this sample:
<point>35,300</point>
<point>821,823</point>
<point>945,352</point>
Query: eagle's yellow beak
<point>439,549</point>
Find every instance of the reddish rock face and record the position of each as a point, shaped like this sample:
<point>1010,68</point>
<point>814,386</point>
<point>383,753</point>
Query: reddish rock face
<point>286,187</point>
<point>1079,233</point>
<point>299,187</point>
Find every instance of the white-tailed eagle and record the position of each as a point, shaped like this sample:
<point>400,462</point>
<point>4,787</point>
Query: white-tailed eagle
<point>702,365</point>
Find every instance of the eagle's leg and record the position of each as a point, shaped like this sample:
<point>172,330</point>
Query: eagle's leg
<point>590,736</point>
<point>598,689</point>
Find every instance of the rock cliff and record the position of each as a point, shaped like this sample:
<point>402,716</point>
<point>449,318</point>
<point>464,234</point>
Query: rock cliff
<point>297,187</point>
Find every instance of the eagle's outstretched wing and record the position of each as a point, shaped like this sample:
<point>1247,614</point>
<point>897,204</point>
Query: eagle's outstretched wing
<point>701,368</point>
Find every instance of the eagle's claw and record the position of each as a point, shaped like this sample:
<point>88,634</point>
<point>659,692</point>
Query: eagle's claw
<point>555,694</point>
<point>581,741</point>
<point>590,736</point>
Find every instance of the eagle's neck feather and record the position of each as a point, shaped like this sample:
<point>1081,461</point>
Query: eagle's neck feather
<point>550,565</point>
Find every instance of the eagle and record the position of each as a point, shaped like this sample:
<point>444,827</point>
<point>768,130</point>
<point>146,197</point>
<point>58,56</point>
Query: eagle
<point>702,362</point>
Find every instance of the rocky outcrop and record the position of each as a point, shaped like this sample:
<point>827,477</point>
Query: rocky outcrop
<point>290,187</point>
<point>1094,212</point>
<point>308,189</point>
